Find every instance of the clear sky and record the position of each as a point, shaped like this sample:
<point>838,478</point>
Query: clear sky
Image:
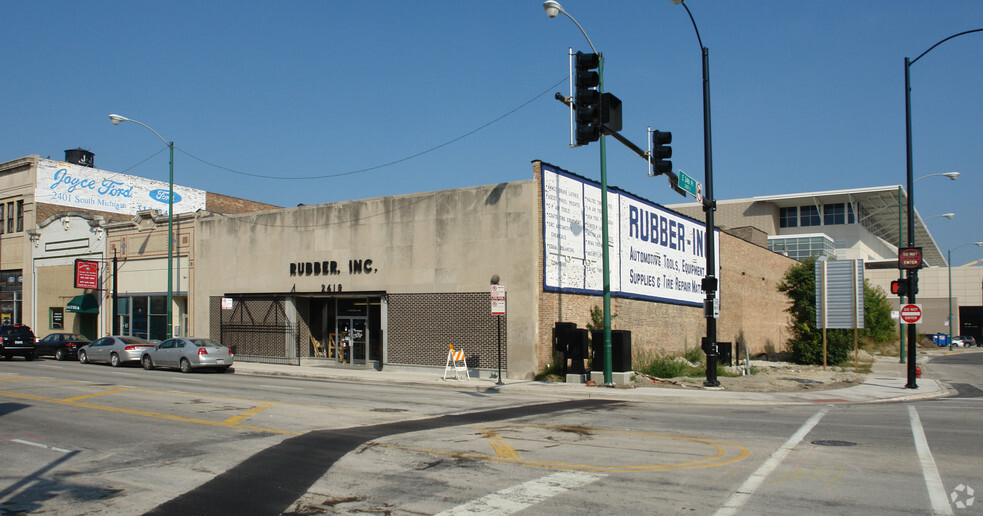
<point>322,101</point>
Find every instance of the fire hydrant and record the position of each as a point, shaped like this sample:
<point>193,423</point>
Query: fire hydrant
<point>918,371</point>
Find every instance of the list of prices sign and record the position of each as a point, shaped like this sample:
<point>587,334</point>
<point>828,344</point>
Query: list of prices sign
<point>839,293</point>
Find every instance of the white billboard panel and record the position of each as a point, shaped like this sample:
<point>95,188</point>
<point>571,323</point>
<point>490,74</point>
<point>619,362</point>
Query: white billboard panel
<point>654,253</point>
<point>89,188</point>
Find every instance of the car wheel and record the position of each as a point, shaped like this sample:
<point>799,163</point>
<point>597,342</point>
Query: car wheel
<point>61,354</point>
<point>185,365</point>
<point>224,369</point>
<point>83,357</point>
<point>148,363</point>
<point>114,360</point>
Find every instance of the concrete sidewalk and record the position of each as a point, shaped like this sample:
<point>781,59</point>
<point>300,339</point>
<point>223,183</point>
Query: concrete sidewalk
<point>884,383</point>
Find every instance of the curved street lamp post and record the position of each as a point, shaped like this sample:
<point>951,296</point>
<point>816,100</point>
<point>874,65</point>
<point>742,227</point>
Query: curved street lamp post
<point>949,263</point>
<point>709,206</point>
<point>553,9</point>
<point>116,119</point>
<point>913,273</point>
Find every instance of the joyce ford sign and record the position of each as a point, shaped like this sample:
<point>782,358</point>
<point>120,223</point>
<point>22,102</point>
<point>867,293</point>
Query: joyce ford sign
<point>66,184</point>
<point>654,253</point>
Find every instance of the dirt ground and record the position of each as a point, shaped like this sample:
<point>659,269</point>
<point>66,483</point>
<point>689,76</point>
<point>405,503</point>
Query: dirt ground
<point>774,376</point>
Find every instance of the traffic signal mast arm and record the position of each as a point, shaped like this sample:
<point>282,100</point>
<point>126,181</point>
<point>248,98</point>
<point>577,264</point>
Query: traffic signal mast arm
<point>673,178</point>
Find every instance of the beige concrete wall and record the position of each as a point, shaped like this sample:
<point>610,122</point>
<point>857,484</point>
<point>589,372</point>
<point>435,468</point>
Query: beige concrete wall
<point>438,242</point>
<point>17,178</point>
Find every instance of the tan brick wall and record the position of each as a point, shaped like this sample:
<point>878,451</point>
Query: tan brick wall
<point>752,310</point>
<point>218,203</point>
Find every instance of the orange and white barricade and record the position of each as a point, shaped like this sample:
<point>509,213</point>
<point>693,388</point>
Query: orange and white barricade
<point>457,362</point>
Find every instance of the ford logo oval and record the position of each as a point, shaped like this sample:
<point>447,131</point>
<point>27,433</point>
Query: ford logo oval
<point>160,195</point>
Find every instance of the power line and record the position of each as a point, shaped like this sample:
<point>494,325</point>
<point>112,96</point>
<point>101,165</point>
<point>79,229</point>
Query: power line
<point>383,165</point>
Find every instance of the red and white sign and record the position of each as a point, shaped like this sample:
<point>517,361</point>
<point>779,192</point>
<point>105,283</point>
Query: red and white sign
<point>86,274</point>
<point>498,299</point>
<point>911,314</point>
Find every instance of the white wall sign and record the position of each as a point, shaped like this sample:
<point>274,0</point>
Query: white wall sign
<point>654,253</point>
<point>89,188</point>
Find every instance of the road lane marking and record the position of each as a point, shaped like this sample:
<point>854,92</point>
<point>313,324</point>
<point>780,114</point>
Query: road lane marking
<point>724,453</point>
<point>743,493</point>
<point>498,443</point>
<point>936,491</point>
<point>235,420</point>
<point>516,498</point>
<point>40,445</point>
<point>94,395</point>
<point>145,413</point>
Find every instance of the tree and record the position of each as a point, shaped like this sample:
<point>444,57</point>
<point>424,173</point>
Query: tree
<point>806,344</point>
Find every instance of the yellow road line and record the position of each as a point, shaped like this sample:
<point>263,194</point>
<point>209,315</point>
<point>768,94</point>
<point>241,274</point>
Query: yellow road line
<point>145,413</point>
<point>235,420</point>
<point>95,394</point>
<point>498,443</point>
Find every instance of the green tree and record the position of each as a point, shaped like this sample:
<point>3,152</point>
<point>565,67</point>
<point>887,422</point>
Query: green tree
<point>806,344</point>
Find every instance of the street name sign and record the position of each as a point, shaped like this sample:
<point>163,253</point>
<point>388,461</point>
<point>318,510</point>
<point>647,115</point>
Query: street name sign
<point>688,183</point>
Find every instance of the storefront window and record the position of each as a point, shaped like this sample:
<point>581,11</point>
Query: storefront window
<point>144,317</point>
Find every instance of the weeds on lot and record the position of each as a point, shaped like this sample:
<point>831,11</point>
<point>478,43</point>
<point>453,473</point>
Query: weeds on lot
<point>691,363</point>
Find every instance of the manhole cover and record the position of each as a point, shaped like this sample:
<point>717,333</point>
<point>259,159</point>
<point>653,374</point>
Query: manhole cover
<point>389,410</point>
<point>833,443</point>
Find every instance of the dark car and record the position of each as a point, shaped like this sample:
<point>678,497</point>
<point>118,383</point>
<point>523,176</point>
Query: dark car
<point>17,340</point>
<point>62,346</point>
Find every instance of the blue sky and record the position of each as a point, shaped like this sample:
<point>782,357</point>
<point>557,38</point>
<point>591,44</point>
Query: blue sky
<point>384,98</point>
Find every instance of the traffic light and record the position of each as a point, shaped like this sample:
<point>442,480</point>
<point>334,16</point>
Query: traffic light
<point>587,99</point>
<point>905,287</point>
<point>661,152</point>
<point>899,287</point>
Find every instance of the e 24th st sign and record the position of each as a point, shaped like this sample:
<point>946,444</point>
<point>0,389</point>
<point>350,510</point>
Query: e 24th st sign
<point>911,314</point>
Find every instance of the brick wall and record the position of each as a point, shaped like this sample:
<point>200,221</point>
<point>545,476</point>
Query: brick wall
<point>421,326</point>
<point>218,203</point>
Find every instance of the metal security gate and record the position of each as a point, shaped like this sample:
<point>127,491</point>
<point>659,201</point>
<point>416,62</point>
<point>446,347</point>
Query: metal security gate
<point>258,330</point>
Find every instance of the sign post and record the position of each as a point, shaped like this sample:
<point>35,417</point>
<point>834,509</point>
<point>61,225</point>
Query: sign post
<point>498,309</point>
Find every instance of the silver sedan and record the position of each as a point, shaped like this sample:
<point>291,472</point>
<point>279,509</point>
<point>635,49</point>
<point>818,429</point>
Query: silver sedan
<point>188,353</point>
<point>115,350</point>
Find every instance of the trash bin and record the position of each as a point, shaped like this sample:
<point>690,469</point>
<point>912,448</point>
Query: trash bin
<point>725,353</point>
<point>941,339</point>
<point>620,351</point>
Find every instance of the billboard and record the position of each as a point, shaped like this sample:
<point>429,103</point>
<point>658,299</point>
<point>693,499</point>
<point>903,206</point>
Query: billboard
<point>76,186</point>
<point>654,253</point>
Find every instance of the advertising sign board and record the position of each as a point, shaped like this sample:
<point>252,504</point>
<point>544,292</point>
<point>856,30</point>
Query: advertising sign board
<point>86,274</point>
<point>654,253</point>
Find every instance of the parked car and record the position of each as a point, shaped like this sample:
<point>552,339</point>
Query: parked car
<point>62,346</point>
<point>964,341</point>
<point>115,350</point>
<point>187,354</point>
<point>17,340</point>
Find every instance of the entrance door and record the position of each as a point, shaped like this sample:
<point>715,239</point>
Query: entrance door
<point>352,337</point>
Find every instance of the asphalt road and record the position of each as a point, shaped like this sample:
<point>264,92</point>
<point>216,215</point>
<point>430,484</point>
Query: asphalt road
<point>92,439</point>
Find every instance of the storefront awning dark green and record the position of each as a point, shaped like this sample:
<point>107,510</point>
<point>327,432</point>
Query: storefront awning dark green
<point>84,304</point>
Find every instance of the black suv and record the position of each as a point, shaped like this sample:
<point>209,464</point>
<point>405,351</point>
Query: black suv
<point>17,340</point>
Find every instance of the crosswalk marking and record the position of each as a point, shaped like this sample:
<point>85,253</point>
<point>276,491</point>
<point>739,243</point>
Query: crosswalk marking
<point>516,498</point>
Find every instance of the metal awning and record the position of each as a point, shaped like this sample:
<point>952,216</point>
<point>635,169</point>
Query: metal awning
<point>84,304</point>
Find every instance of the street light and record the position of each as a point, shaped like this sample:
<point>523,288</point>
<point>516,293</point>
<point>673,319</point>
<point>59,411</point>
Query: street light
<point>116,119</point>
<point>553,9</point>
<point>951,175</point>
<point>709,206</point>
<point>949,216</point>
<point>949,263</point>
<point>913,273</point>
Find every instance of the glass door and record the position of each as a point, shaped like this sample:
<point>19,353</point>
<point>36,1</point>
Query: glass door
<point>352,339</point>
